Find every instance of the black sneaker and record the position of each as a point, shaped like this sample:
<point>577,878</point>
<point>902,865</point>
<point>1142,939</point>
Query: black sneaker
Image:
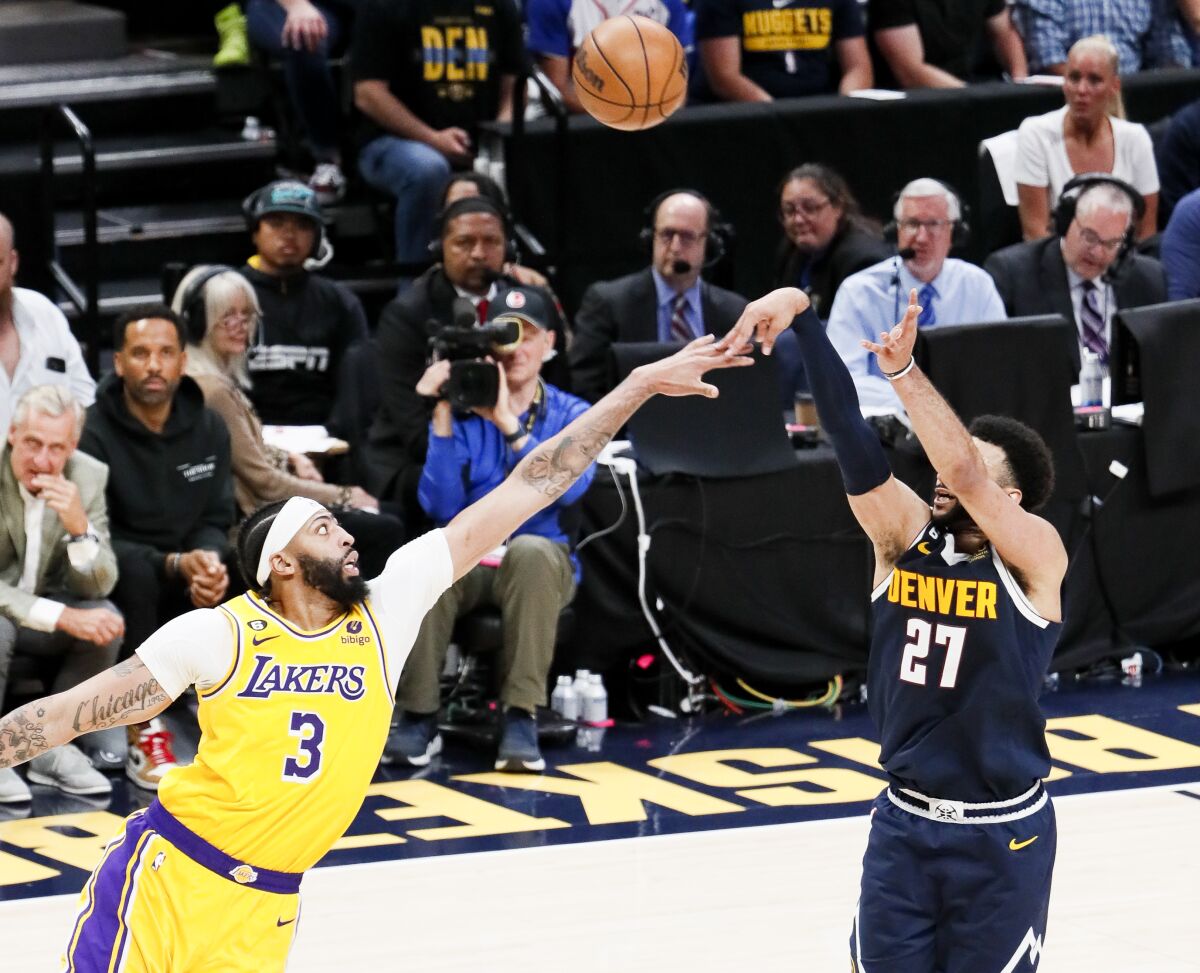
<point>519,751</point>
<point>413,741</point>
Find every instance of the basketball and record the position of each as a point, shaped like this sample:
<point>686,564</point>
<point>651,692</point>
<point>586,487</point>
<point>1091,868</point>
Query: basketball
<point>630,73</point>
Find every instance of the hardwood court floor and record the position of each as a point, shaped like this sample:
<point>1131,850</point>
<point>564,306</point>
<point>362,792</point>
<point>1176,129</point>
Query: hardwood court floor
<point>607,862</point>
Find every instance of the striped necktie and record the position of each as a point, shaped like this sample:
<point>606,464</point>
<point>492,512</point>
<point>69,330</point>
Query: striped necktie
<point>680,330</point>
<point>925,299</point>
<point>1091,322</point>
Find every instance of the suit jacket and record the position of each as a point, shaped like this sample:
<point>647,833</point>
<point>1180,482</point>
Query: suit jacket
<point>851,250</point>
<point>1032,279</point>
<point>624,310</point>
<point>55,572</point>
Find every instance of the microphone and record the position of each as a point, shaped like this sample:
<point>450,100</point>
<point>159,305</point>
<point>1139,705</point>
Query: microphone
<point>491,276</point>
<point>907,253</point>
<point>323,256</point>
<point>464,313</point>
<point>681,267</point>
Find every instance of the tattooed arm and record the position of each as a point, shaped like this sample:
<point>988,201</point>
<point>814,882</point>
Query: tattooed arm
<point>126,693</point>
<point>548,472</point>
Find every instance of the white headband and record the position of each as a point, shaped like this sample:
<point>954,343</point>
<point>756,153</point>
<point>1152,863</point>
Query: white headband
<point>292,516</point>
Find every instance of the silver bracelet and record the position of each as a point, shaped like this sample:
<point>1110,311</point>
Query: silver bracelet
<point>892,376</point>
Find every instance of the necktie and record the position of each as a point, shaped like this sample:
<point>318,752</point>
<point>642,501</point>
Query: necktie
<point>481,310</point>
<point>1092,322</point>
<point>680,331</point>
<point>925,299</point>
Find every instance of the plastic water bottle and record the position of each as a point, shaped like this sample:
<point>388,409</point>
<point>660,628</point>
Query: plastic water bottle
<point>564,700</point>
<point>580,684</point>
<point>1091,380</point>
<point>252,130</point>
<point>595,703</point>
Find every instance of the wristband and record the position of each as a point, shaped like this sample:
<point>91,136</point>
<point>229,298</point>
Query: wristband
<point>512,437</point>
<point>892,376</point>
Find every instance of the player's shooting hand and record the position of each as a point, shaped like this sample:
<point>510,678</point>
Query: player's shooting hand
<point>62,496</point>
<point>436,375</point>
<point>895,348</point>
<point>681,373</point>
<point>765,319</point>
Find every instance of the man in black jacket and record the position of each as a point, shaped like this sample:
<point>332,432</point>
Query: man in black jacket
<point>471,251</point>
<point>1078,275</point>
<point>170,493</point>
<point>666,302</point>
<point>309,322</point>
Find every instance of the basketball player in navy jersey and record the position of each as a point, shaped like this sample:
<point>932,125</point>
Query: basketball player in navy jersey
<point>956,877</point>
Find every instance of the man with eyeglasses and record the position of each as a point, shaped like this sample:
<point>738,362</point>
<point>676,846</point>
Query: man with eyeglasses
<point>928,224</point>
<point>667,302</point>
<point>1081,274</point>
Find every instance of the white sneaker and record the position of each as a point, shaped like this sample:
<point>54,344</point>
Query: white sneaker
<point>13,790</point>
<point>68,769</point>
<point>328,183</point>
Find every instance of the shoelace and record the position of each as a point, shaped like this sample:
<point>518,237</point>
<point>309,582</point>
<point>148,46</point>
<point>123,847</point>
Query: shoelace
<point>158,745</point>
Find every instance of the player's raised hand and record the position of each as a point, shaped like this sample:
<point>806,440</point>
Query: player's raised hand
<point>681,373</point>
<point>765,319</point>
<point>895,348</point>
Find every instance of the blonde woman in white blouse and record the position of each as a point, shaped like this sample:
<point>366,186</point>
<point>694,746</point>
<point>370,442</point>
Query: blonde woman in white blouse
<point>1088,134</point>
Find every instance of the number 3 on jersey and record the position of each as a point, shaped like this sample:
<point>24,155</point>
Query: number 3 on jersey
<point>951,636</point>
<point>310,729</point>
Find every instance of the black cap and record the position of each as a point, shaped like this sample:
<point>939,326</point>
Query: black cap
<point>525,304</point>
<point>285,196</point>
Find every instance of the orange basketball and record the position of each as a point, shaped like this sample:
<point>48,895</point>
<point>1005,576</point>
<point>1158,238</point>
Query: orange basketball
<point>630,73</point>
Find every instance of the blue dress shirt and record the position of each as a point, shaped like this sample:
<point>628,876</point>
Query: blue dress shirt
<point>666,302</point>
<point>873,301</point>
<point>1181,249</point>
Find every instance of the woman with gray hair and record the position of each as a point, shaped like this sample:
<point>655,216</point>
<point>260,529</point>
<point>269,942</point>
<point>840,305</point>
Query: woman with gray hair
<point>221,313</point>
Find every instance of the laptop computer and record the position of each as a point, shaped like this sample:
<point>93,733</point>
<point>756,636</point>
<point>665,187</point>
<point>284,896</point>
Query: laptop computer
<point>740,433</point>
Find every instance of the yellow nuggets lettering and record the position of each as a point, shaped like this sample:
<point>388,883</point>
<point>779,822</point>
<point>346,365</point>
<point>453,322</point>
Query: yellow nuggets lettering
<point>943,596</point>
<point>801,29</point>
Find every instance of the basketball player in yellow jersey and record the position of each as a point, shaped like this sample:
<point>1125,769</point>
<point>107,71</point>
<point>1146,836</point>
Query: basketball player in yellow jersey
<point>295,681</point>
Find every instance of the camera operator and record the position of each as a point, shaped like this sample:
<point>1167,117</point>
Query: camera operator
<point>513,410</point>
<point>471,249</point>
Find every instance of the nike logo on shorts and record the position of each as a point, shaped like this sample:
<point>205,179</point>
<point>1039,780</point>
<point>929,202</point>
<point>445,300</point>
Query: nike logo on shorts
<point>1014,845</point>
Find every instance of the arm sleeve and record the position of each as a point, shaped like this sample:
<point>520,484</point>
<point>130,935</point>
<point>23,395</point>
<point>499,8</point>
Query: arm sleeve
<point>1042,25</point>
<point>717,18</point>
<point>413,579</point>
<point>548,33</point>
<point>848,21</point>
<point>1031,167</point>
<point>440,491</point>
<point>197,648</point>
<point>1144,167</point>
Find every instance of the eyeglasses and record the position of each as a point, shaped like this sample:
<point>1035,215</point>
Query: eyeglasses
<point>1091,239</point>
<point>232,319</point>
<point>809,207</point>
<point>688,238</point>
<point>913,226</point>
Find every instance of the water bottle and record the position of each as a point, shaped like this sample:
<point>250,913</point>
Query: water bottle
<point>252,130</point>
<point>580,684</point>
<point>565,701</point>
<point>595,703</point>
<point>1091,380</point>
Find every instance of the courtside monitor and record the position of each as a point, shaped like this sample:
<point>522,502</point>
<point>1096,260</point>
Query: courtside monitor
<point>1125,357</point>
<point>739,433</point>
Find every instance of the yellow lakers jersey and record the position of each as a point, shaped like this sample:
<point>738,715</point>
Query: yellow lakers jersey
<point>289,739</point>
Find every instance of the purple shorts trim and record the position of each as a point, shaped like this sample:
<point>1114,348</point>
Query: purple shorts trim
<point>216,861</point>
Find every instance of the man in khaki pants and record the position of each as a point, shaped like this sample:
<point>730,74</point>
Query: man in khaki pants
<point>534,576</point>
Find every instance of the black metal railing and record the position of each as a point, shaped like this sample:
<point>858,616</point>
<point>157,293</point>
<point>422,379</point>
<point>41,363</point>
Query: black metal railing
<point>86,296</point>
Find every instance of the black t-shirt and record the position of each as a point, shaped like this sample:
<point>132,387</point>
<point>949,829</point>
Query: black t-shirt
<point>442,58</point>
<point>788,46</point>
<point>950,29</point>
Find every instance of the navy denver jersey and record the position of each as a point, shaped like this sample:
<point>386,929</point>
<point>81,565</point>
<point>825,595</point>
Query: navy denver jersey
<point>957,660</point>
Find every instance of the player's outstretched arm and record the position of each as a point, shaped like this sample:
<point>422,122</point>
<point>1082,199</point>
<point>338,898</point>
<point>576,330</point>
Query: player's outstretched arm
<point>888,511</point>
<point>548,472</point>
<point>1024,540</point>
<point>126,693</point>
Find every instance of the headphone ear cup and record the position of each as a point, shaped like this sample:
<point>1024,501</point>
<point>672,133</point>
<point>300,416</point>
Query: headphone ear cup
<point>646,238</point>
<point>435,250</point>
<point>1064,213</point>
<point>891,232</point>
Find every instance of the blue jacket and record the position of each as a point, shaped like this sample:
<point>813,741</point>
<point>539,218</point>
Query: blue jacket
<point>461,468</point>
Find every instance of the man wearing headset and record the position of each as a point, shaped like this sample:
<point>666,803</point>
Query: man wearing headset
<point>666,302</point>
<point>471,250</point>
<point>309,322</point>
<point>928,223</point>
<point>1084,271</point>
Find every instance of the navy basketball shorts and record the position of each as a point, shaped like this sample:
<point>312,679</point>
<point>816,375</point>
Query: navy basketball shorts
<point>954,888</point>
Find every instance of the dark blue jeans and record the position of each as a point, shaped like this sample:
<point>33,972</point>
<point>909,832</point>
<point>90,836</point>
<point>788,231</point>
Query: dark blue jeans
<point>309,80</point>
